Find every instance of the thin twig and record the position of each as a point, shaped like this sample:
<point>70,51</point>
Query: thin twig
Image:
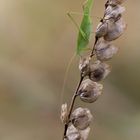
<point>72,105</point>
<point>75,93</point>
<point>82,77</point>
<point>93,49</point>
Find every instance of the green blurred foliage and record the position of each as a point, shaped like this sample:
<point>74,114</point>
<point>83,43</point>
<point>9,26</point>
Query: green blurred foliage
<point>37,41</point>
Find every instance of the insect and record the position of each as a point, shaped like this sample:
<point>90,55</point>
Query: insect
<point>84,32</point>
<point>85,29</point>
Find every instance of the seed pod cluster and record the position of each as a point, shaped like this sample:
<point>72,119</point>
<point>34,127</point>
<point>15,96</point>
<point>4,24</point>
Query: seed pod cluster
<point>110,28</point>
<point>112,25</point>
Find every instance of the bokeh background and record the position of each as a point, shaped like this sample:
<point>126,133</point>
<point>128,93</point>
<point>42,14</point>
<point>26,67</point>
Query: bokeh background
<point>37,40</point>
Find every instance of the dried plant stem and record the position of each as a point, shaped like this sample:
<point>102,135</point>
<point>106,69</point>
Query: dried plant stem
<point>75,93</point>
<point>93,49</point>
<point>72,105</point>
<point>74,96</point>
<point>110,28</point>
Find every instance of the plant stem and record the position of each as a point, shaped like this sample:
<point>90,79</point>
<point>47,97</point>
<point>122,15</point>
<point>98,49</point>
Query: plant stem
<point>75,94</point>
<point>72,105</point>
<point>93,49</point>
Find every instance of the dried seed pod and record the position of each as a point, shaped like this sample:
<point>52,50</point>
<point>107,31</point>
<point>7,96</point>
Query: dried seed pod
<point>101,29</point>
<point>99,71</point>
<point>81,118</point>
<point>64,113</point>
<point>104,50</point>
<point>90,91</point>
<point>73,133</point>
<point>84,65</point>
<point>114,29</point>
<point>115,2</point>
<point>84,133</point>
<point>114,12</point>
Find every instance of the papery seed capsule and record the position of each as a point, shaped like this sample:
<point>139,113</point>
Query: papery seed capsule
<point>64,113</point>
<point>104,50</point>
<point>81,118</point>
<point>101,29</point>
<point>115,29</point>
<point>98,71</point>
<point>115,2</point>
<point>72,133</point>
<point>114,12</point>
<point>90,91</point>
<point>84,66</point>
<point>84,133</point>
<point>106,4</point>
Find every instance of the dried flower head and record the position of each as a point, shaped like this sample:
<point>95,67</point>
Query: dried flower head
<point>90,91</point>
<point>64,113</point>
<point>99,71</point>
<point>81,118</point>
<point>105,50</point>
<point>114,29</point>
<point>84,65</point>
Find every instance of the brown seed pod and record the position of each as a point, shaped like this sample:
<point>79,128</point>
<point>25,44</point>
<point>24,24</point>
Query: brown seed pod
<point>84,66</point>
<point>84,133</point>
<point>115,2</point>
<point>101,29</point>
<point>114,12</point>
<point>105,50</point>
<point>76,134</point>
<point>72,133</point>
<point>81,118</point>
<point>90,91</point>
<point>114,29</point>
<point>99,71</point>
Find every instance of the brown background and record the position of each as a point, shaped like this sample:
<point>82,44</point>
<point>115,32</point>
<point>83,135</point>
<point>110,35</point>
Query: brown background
<point>37,40</point>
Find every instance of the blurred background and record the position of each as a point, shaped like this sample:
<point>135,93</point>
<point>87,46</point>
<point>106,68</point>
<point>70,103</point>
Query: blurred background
<point>37,40</point>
